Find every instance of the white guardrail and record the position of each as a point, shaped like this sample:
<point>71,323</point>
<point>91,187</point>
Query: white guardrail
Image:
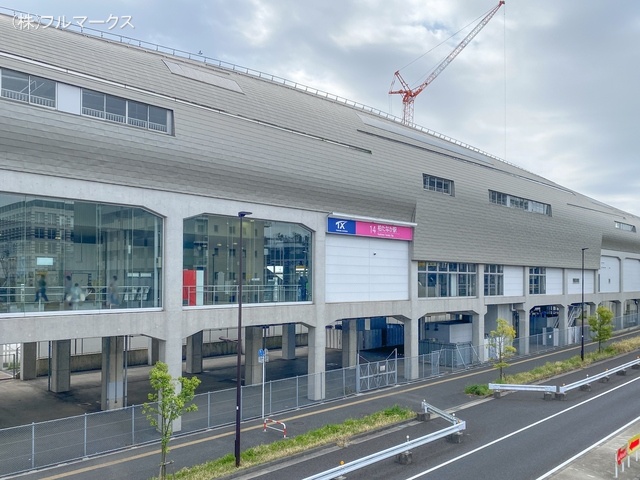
<point>525,388</point>
<point>457,427</point>
<point>620,369</point>
<point>561,391</point>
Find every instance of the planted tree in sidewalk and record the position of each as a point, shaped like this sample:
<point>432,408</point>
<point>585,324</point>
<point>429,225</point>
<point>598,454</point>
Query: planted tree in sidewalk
<point>501,344</point>
<point>601,326</point>
<point>168,405</point>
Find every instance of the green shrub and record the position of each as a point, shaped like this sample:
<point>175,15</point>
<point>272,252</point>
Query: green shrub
<point>477,389</point>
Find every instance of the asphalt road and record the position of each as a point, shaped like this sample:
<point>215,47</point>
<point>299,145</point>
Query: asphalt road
<point>519,436</point>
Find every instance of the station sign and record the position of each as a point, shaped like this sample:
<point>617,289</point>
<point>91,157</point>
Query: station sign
<point>369,229</point>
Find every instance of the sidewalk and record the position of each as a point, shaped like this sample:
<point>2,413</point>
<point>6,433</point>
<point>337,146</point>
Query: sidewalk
<point>599,463</point>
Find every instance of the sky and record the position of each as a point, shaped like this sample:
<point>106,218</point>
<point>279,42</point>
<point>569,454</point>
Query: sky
<point>547,85</point>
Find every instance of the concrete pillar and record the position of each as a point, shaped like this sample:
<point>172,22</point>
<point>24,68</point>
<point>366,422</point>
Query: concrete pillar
<point>252,366</point>
<point>411,348</point>
<point>616,308</point>
<point>170,352</point>
<point>563,326</point>
<point>477,333</point>
<point>113,378</point>
<point>61,366</point>
<point>29,361</point>
<point>349,342</point>
<point>316,362</point>
<point>523,328</point>
<point>289,341</point>
<point>154,351</point>
<point>169,334</point>
<point>194,353</point>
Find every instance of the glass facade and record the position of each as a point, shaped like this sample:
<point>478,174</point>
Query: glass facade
<point>62,254</point>
<point>537,280</point>
<point>276,259</point>
<point>493,280</point>
<point>442,279</point>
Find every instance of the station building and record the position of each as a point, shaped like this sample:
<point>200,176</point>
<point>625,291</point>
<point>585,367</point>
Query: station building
<point>128,171</point>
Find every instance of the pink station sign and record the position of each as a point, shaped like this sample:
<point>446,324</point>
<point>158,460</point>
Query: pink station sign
<point>369,229</point>
<point>380,230</point>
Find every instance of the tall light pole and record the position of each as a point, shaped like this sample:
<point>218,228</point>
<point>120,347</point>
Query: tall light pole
<point>582,309</point>
<point>239,347</point>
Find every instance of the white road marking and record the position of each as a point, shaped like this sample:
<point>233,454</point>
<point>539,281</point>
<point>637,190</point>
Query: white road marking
<point>516,432</point>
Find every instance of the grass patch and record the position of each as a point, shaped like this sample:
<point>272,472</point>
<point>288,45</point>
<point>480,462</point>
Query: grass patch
<point>477,389</point>
<point>552,369</point>
<point>339,434</point>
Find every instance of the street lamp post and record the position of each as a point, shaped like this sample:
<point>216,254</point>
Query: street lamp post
<point>239,347</point>
<point>582,309</point>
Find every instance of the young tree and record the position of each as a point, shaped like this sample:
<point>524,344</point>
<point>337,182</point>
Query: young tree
<point>168,405</point>
<point>601,326</point>
<point>500,340</point>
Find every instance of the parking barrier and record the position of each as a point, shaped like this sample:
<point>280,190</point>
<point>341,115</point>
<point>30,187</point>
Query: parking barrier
<point>282,428</point>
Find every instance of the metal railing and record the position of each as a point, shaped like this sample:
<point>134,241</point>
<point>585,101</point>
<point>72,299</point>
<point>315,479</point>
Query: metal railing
<point>9,364</point>
<point>24,299</point>
<point>368,460</point>
<point>251,293</point>
<point>524,388</point>
<point>586,381</point>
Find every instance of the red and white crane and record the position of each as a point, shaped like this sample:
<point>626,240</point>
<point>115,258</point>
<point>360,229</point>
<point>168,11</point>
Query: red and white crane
<point>409,94</point>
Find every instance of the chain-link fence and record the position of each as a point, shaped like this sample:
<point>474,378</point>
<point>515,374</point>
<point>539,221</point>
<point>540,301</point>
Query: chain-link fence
<point>37,445</point>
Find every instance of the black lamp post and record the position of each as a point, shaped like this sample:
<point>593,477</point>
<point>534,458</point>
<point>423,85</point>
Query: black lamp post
<point>239,347</point>
<point>582,309</point>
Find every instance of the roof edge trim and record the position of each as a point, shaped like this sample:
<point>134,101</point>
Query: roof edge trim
<point>349,216</point>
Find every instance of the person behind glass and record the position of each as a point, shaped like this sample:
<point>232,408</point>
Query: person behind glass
<point>302,287</point>
<point>112,294</point>
<point>41,292</point>
<point>77,296</point>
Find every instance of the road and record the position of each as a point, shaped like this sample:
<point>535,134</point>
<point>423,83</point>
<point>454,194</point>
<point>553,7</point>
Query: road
<point>519,436</point>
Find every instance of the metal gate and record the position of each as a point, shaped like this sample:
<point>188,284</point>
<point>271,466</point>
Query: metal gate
<point>372,375</point>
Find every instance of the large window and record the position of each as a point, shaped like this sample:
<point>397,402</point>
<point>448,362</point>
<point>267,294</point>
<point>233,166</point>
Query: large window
<point>116,109</point>
<point>27,88</point>
<point>625,227</point>
<point>437,184</point>
<point>276,261</point>
<point>519,203</point>
<point>62,254</point>
<point>440,279</point>
<point>537,280</point>
<point>41,91</point>
<point>493,280</point>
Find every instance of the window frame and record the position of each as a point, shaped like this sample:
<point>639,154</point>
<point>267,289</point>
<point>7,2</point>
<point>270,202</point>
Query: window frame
<point>493,280</point>
<point>29,85</point>
<point>537,280</point>
<point>447,279</point>
<point>438,184</point>
<point>519,203</point>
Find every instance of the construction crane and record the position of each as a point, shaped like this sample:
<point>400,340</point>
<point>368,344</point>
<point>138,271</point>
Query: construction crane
<point>409,94</point>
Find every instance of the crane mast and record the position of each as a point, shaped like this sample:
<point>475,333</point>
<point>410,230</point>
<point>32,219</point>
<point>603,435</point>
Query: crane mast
<point>409,94</point>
